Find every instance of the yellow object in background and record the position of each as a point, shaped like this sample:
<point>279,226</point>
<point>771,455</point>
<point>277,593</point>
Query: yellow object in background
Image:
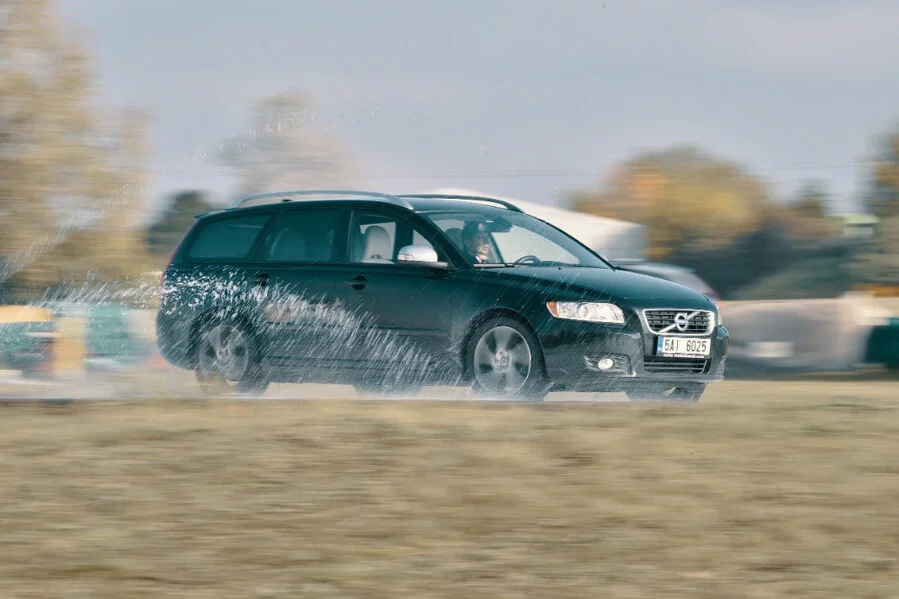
<point>17,314</point>
<point>69,348</point>
<point>881,290</point>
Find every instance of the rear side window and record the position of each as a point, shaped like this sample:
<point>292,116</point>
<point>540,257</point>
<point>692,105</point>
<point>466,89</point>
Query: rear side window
<point>306,235</point>
<point>228,238</point>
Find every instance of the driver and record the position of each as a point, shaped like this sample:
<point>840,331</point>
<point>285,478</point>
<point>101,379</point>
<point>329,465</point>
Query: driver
<point>476,242</point>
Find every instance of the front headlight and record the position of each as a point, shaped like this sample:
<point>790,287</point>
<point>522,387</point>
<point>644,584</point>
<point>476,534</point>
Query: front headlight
<point>587,311</point>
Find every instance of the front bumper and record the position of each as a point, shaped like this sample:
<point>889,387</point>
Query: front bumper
<point>571,351</point>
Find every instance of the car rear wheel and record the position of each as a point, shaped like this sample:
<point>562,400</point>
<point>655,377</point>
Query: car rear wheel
<point>227,360</point>
<point>506,361</point>
<point>685,393</point>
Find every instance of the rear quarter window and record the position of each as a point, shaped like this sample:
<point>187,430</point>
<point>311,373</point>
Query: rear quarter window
<point>227,238</point>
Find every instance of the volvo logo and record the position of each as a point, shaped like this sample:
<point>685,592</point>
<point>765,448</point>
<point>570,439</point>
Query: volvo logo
<point>680,324</point>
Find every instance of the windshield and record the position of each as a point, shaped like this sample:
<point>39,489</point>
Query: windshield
<point>512,238</point>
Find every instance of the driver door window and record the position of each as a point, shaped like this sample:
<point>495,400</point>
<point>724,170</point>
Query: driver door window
<point>453,228</point>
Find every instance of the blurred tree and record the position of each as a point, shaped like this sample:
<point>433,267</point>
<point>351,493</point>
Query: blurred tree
<point>812,200</point>
<point>883,197</point>
<point>688,199</point>
<point>69,184</point>
<point>166,231</point>
<point>807,217</point>
<point>877,261</point>
<point>285,150</point>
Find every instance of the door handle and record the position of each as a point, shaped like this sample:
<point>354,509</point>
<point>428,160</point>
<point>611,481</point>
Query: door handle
<point>261,279</point>
<point>358,283</point>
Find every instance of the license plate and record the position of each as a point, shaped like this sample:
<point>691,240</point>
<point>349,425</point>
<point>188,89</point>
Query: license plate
<point>683,347</point>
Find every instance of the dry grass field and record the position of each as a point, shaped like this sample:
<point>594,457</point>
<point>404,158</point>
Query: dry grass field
<point>761,490</point>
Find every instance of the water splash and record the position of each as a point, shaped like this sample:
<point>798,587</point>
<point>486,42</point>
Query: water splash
<point>25,257</point>
<point>294,322</point>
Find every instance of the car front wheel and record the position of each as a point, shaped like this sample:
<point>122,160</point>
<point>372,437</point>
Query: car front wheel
<point>506,361</point>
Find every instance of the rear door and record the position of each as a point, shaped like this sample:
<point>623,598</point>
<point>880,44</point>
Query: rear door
<point>295,267</point>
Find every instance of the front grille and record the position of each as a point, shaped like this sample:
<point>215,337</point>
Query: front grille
<point>675,365</point>
<point>663,322</point>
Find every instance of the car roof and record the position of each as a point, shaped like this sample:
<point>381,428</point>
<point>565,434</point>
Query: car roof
<point>412,202</point>
<point>436,205</point>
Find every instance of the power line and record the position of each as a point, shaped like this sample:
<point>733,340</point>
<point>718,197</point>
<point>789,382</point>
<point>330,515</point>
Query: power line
<point>567,173</point>
<point>593,173</point>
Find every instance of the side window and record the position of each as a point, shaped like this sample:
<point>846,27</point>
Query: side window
<point>228,238</point>
<point>377,238</point>
<point>452,227</point>
<point>419,239</point>
<point>304,235</point>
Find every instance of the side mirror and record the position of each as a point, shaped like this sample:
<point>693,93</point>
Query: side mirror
<point>418,253</point>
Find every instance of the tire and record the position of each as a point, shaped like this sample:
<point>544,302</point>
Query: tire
<point>227,360</point>
<point>683,393</point>
<point>505,361</point>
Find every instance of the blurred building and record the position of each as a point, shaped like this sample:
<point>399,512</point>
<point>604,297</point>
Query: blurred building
<point>858,226</point>
<point>615,239</point>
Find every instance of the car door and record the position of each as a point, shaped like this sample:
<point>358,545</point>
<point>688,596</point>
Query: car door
<point>295,269</point>
<point>404,308</point>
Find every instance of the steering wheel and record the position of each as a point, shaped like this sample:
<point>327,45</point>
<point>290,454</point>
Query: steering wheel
<point>528,259</point>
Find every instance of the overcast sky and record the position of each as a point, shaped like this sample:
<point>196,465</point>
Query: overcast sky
<point>526,98</point>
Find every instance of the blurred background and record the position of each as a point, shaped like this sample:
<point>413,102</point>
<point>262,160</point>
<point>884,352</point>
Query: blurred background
<point>750,150</point>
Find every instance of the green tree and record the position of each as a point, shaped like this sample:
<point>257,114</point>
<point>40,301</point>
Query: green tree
<point>168,229</point>
<point>688,199</point>
<point>285,149</point>
<point>69,182</point>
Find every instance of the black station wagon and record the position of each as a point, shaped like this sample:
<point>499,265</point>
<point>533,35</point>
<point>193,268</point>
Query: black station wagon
<point>393,292</point>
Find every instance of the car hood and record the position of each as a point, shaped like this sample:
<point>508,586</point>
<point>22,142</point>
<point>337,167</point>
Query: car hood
<point>607,283</point>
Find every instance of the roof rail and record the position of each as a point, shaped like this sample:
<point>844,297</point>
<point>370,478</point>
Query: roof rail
<point>453,196</point>
<point>331,192</point>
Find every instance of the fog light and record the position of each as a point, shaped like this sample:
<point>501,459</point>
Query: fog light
<point>605,364</point>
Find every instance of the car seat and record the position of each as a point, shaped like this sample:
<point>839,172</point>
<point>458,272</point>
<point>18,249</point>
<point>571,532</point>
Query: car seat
<point>377,245</point>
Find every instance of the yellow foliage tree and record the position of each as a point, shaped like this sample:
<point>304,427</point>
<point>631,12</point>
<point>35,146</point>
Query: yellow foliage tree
<point>70,184</point>
<point>286,148</point>
<point>884,197</point>
<point>686,198</point>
